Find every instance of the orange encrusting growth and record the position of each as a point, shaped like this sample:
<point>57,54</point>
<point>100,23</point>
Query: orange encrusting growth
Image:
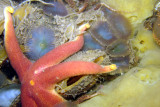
<point>156,31</point>
<point>156,39</point>
<point>38,79</point>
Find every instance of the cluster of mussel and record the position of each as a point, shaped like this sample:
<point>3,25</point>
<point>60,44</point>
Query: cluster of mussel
<point>112,36</point>
<point>43,26</point>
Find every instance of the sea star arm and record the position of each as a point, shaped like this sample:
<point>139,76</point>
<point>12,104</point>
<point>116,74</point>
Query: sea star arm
<point>39,97</point>
<point>26,100</point>
<point>61,52</point>
<point>65,70</point>
<point>43,84</point>
<point>19,62</point>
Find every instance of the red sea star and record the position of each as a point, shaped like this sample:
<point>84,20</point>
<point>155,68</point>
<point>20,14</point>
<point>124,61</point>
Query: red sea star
<point>38,79</point>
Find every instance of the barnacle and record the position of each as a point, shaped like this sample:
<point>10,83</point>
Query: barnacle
<point>40,43</point>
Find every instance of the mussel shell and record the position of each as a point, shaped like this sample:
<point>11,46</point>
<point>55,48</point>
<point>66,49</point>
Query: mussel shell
<point>120,25</point>
<point>90,43</point>
<point>103,33</point>
<point>8,94</point>
<point>79,87</point>
<point>118,48</point>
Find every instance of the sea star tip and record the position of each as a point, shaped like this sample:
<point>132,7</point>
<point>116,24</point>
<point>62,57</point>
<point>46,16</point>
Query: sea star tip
<point>9,9</point>
<point>83,27</point>
<point>113,67</point>
<point>110,67</point>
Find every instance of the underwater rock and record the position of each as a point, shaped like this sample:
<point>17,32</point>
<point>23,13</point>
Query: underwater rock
<point>56,9</point>
<point>40,43</point>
